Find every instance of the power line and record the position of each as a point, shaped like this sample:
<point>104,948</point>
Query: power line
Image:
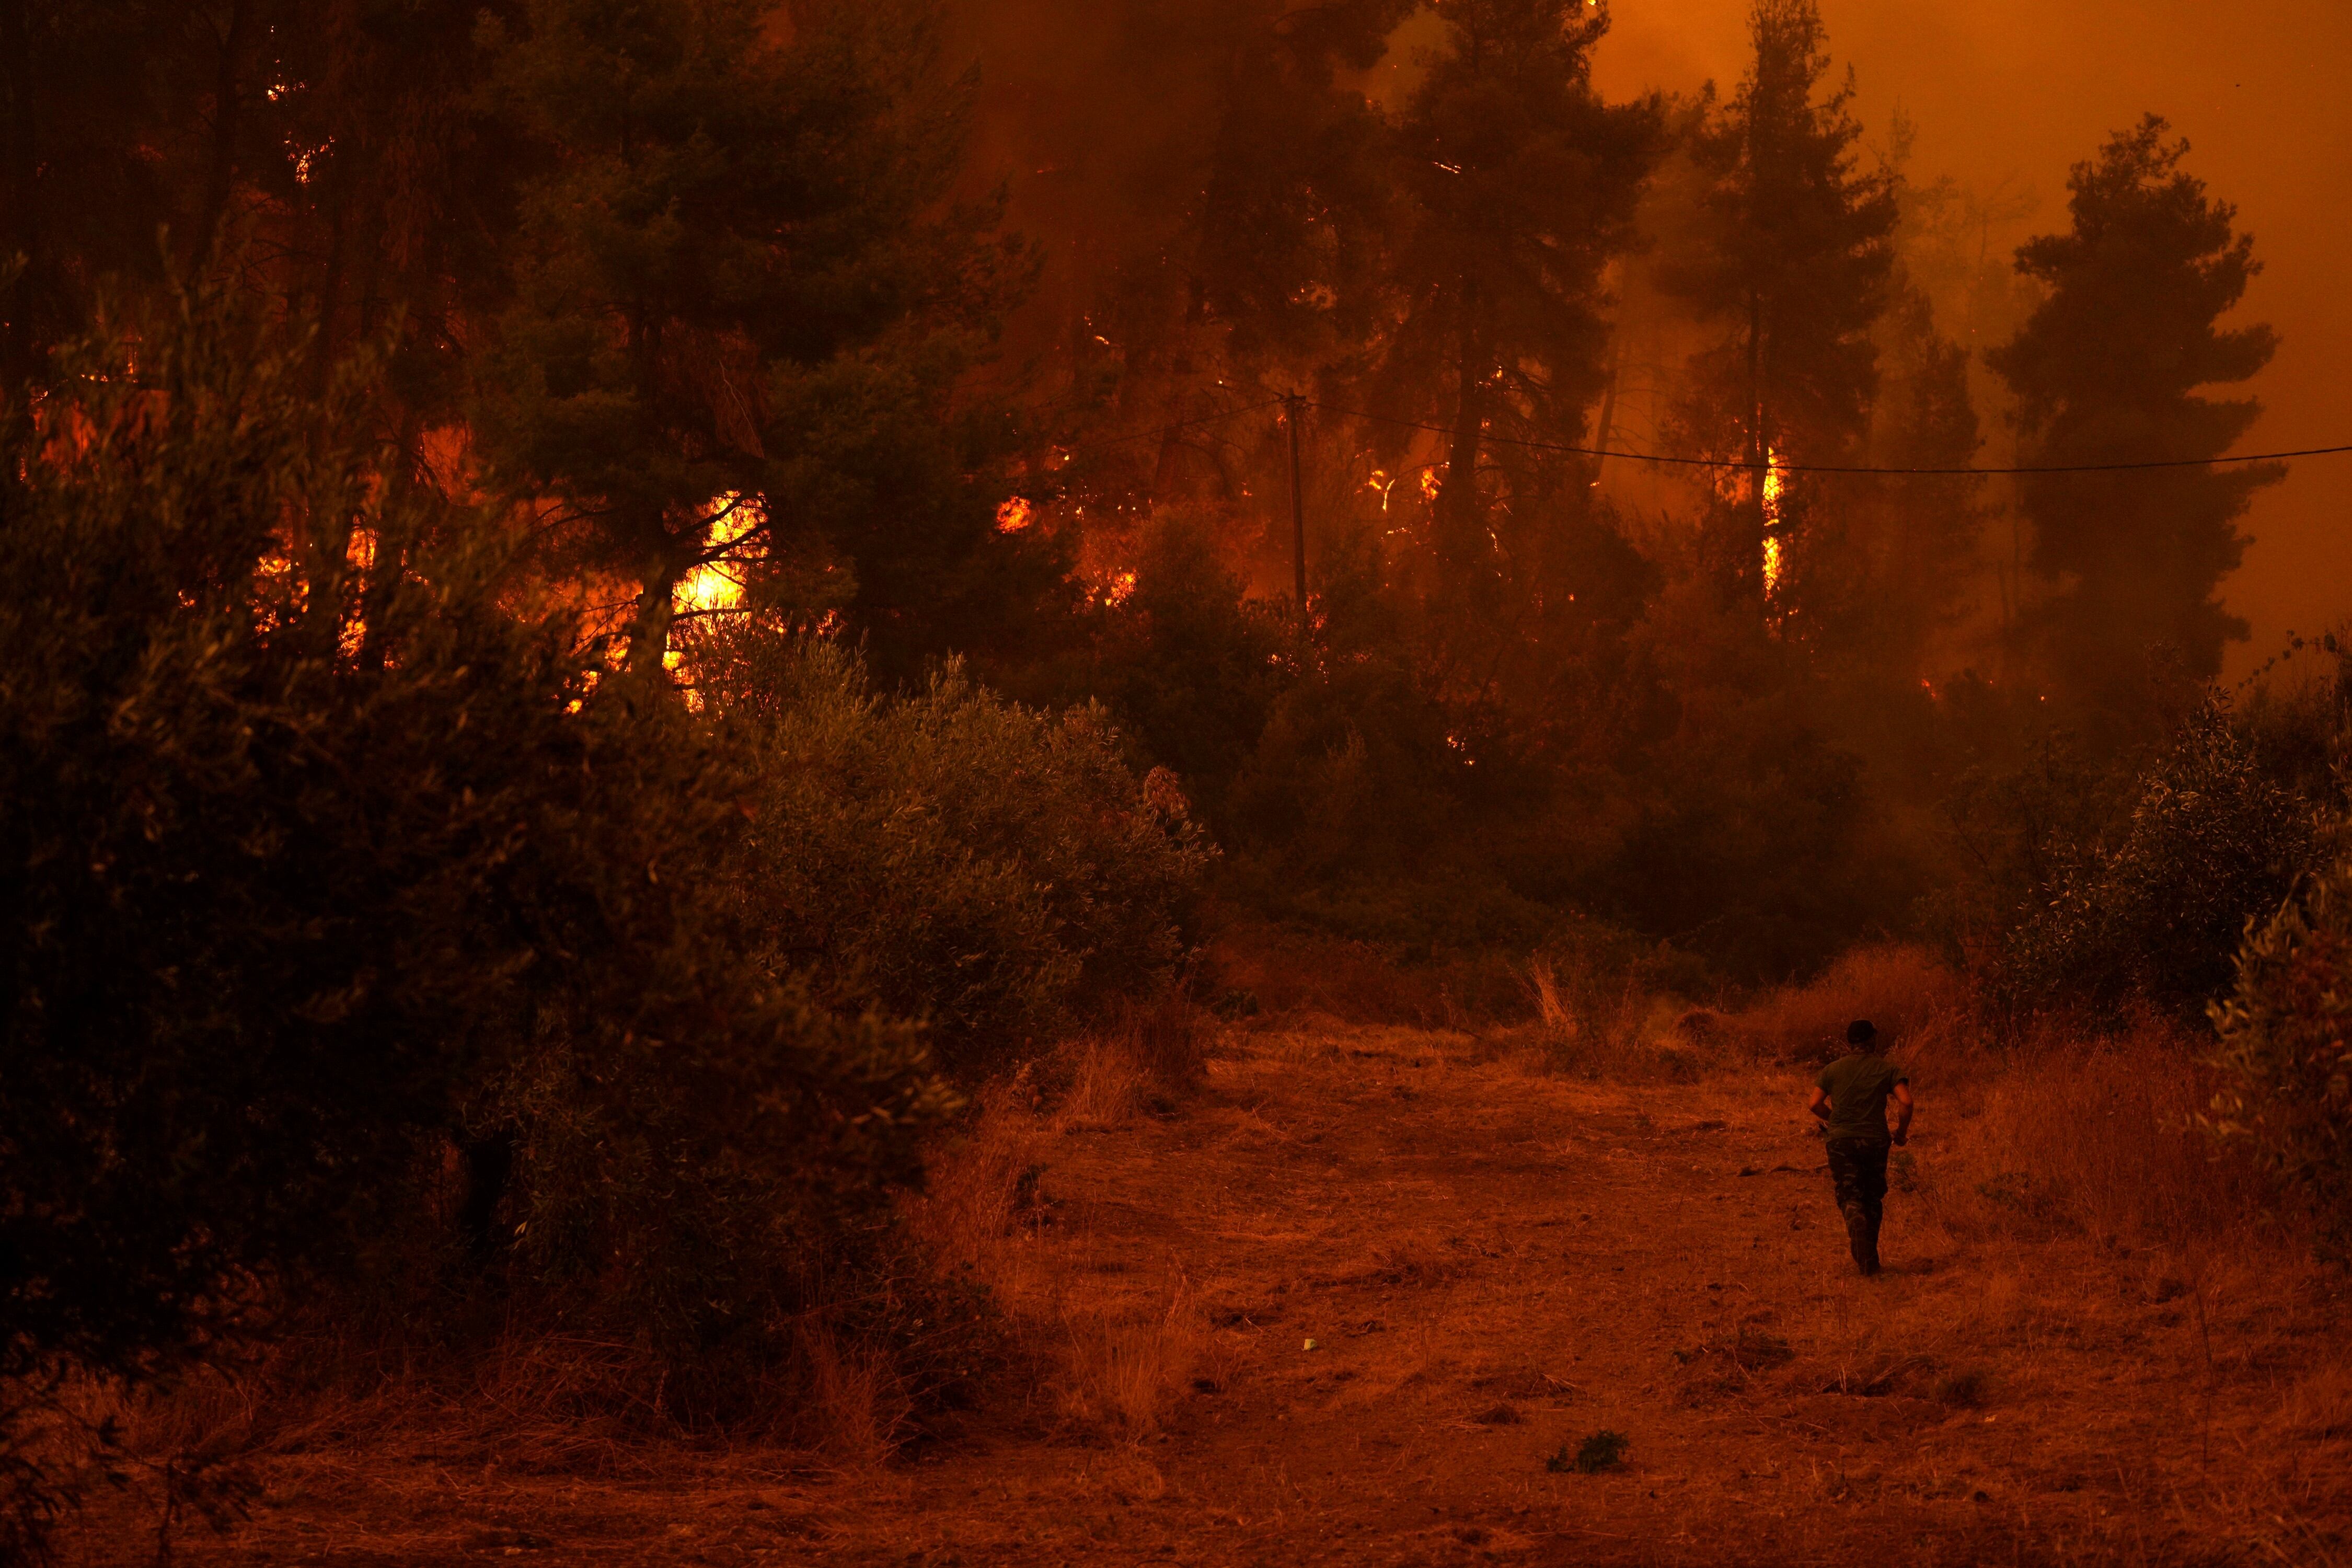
<point>1493,439</point>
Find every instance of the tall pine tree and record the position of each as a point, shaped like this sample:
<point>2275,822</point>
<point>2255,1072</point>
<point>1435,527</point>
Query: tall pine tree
<point>1793,262</point>
<point>739,302</point>
<point>1524,185</point>
<point>2107,371</point>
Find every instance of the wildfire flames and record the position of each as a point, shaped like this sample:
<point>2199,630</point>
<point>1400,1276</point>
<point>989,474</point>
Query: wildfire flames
<point>1014,515</point>
<point>1774,483</point>
<point>716,585</point>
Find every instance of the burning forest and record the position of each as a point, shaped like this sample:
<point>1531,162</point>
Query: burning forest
<point>1096,781</point>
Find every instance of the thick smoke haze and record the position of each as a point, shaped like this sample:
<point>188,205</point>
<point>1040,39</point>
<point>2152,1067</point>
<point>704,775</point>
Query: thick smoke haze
<point>1100,121</point>
<point>2007,94</point>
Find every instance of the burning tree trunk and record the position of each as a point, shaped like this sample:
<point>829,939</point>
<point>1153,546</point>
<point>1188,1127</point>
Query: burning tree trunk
<point>1792,258</point>
<point>1759,545</point>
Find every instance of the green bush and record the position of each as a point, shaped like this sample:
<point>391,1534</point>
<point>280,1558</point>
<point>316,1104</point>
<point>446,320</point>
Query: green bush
<point>2286,1048</point>
<point>313,840</point>
<point>944,853</point>
<point>2154,909</point>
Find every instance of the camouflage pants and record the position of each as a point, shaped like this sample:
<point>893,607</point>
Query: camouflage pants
<point>1858,1171</point>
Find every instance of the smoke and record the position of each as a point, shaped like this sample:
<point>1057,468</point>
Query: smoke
<point>2008,94</point>
<point>1100,121</point>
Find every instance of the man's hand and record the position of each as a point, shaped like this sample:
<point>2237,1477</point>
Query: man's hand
<point>1820,1104</point>
<point>1902,1114</point>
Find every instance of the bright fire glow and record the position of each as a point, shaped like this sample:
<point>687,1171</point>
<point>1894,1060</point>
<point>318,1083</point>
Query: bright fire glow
<point>1430,484</point>
<point>306,161</point>
<point>1014,515</point>
<point>717,584</point>
<point>1121,589</point>
<point>1774,484</point>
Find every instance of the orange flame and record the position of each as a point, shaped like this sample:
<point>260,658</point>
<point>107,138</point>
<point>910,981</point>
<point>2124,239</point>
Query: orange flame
<point>1775,484</point>
<point>717,584</point>
<point>1014,515</point>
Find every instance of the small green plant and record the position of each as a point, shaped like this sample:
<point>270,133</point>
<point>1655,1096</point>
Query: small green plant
<point>1604,1450</point>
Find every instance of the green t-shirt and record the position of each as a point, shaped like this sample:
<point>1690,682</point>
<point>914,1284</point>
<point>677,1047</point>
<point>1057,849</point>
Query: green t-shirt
<point>1858,1086</point>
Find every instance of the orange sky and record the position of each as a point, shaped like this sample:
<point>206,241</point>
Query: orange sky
<point>2022,89</point>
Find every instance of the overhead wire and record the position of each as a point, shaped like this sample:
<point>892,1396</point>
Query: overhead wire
<point>1491,438</point>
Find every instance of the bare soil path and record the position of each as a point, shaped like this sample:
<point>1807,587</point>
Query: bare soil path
<point>1371,1286</point>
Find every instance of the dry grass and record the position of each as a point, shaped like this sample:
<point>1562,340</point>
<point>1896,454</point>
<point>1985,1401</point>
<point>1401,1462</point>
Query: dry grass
<point>1596,1022</point>
<point>2099,1136</point>
<point>2319,1406</point>
<point>1112,1354</point>
<point>1123,1367</point>
<point>1595,1019</point>
<point>1286,975</point>
<point>1492,1261</point>
<point>1918,1004</point>
<point>858,1398</point>
<point>1146,1057</point>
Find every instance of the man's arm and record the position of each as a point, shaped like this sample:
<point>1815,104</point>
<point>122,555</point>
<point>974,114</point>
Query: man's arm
<point>1901,1112</point>
<point>1820,1104</point>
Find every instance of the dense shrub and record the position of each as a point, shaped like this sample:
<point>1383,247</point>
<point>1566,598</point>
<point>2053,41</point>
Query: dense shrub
<point>944,853</point>
<point>313,835</point>
<point>2285,1046</point>
<point>2153,907</point>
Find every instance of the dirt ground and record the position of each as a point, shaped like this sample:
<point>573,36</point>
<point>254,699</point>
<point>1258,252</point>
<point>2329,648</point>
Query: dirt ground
<point>1366,1297</point>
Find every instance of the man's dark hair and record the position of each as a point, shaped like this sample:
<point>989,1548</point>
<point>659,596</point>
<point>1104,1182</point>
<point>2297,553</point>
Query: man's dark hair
<point>1860,1032</point>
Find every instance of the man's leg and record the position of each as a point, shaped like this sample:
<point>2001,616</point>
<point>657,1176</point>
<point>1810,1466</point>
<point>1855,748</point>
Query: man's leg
<point>1849,1171</point>
<point>1871,1190</point>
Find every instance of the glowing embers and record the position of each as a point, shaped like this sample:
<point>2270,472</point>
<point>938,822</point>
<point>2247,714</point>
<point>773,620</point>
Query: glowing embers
<point>1014,515</point>
<point>1774,485</point>
<point>716,586</point>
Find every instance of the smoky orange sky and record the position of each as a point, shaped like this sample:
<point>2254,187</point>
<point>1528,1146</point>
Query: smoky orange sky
<point>2021,90</point>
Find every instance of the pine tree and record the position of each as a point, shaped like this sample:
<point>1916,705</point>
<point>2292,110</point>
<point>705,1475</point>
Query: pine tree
<point>1523,184</point>
<point>1889,562</point>
<point>1520,184</point>
<point>1212,200</point>
<point>1792,258</point>
<point>2106,371</point>
<point>737,304</point>
<point>94,119</point>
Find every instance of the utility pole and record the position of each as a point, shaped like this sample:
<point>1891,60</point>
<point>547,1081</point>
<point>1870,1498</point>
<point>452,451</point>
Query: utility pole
<point>1608,400</point>
<point>1293,409</point>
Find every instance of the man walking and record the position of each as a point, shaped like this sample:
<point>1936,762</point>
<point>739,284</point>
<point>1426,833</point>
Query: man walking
<point>1851,1099</point>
